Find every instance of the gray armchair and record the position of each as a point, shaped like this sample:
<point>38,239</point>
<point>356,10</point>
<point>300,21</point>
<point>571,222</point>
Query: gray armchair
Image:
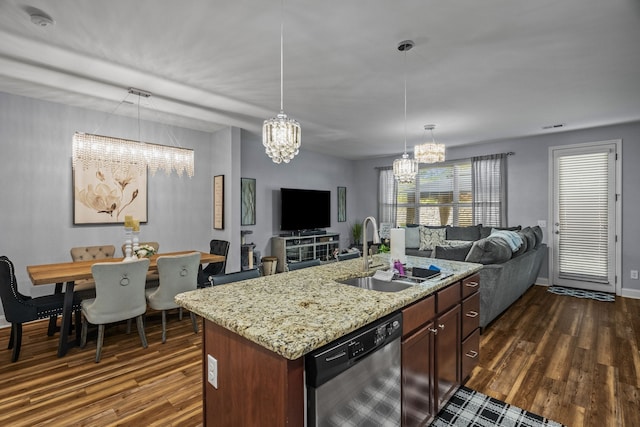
<point>119,296</point>
<point>177,274</point>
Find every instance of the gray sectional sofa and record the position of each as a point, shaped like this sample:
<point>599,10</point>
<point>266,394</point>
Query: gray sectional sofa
<point>507,273</point>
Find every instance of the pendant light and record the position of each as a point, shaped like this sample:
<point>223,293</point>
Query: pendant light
<point>281,134</point>
<point>405,169</point>
<point>429,152</point>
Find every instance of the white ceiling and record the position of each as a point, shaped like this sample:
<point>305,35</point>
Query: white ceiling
<point>480,69</point>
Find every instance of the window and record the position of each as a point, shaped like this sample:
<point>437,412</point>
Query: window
<point>441,195</point>
<point>457,193</point>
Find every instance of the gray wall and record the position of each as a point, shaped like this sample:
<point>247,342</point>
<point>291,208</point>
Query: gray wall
<point>308,170</point>
<point>528,183</point>
<point>36,225</point>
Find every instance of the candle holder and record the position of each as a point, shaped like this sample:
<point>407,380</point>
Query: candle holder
<point>136,242</point>
<point>128,240</point>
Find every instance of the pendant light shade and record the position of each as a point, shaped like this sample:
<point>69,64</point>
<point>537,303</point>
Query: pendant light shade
<point>405,169</point>
<point>429,152</point>
<point>280,134</point>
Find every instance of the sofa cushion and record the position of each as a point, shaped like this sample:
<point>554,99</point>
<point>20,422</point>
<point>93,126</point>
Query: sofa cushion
<point>453,253</point>
<point>489,251</point>
<point>469,233</point>
<point>524,247</point>
<point>486,231</point>
<point>431,237</point>
<point>531,237</point>
<point>538,232</point>
<point>412,237</point>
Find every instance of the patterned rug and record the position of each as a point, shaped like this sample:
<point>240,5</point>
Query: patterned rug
<point>581,293</point>
<point>468,408</point>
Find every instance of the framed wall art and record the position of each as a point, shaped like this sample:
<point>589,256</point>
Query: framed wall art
<point>102,196</point>
<point>342,204</point>
<point>247,201</point>
<point>218,202</point>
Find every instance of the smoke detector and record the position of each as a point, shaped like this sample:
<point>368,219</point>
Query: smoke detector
<point>41,19</point>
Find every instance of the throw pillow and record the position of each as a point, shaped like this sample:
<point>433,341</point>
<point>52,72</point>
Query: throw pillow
<point>489,251</point>
<point>412,237</point>
<point>538,232</point>
<point>524,247</point>
<point>453,253</point>
<point>531,237</point>
<point>512,238</point>
<point>469,233</point>
<point>431,237</point>
<point>486,231</point>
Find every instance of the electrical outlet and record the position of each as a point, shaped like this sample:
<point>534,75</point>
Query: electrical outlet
<point>212,371</point>
<point>634,274</point>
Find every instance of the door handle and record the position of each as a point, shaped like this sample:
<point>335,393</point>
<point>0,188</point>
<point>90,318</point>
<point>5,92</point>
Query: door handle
<point>441,326</point>
<point>472,354</point>
<point>472,314</point>
<point>434,331</point>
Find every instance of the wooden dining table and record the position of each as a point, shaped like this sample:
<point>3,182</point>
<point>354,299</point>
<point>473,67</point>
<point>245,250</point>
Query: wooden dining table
<point>68,273</point>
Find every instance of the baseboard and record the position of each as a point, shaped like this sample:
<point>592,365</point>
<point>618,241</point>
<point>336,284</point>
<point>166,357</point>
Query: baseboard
<point>542,281</point>
<point>630,293</point>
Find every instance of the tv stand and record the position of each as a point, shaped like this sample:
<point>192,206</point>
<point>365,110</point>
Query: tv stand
<point>290,249</point>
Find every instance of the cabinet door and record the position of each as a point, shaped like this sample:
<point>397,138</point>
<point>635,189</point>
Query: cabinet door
<point>447,349</point>
<point>417,377</point>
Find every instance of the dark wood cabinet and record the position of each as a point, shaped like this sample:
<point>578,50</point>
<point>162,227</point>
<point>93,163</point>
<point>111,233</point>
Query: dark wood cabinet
<point>440,334</point>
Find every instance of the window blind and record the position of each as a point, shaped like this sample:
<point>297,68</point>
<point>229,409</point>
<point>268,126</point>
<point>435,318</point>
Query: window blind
<point>583,192</point>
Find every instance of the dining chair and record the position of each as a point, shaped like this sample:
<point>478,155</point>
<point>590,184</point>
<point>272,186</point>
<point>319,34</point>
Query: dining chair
<point>217,247</point>
<point>119,296</point>
<point>234,277</point>
<point>348,255</point>
<point>178,274</point>
<point>303,264</point>
<point>86,253</point>
<point>19,308</point>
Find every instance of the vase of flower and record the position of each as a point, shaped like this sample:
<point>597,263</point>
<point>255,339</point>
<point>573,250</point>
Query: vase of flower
<point>145,251</point>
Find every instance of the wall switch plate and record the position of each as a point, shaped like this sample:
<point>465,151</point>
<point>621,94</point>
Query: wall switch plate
<point>542,223</point>
<point>634,274</point>
<point>212,371</point>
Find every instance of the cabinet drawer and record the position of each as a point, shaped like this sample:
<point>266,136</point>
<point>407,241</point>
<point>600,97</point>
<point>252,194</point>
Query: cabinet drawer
<point>418,314</point>
<point>470,314</point>
<point>470,285</point>
<point>448,297</point>
<point>470,354</point>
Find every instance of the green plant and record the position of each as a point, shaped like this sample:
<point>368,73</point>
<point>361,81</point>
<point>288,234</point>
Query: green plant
<point>356,232</point>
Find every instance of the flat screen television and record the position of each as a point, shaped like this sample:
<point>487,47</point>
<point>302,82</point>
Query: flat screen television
<point>304,209</point>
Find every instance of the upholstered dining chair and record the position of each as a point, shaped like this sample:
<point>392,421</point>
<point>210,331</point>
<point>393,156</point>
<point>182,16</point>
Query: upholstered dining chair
<point>234,277</point>
<point>19,308</point>
<point>86,253</point>
<point>119,296</point>
<point>178,274</point>
<point>303,264</point>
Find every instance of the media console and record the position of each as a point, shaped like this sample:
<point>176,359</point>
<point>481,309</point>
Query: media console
<point>303,247</point>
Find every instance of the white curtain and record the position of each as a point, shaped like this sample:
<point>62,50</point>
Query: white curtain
<point>387,191</point>
<point>489,179</point>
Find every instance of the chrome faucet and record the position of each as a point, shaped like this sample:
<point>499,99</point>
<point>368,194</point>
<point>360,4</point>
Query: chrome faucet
<point>365,244</point>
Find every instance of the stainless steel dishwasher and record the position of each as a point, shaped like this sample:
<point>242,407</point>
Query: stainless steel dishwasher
<point>355,381</point>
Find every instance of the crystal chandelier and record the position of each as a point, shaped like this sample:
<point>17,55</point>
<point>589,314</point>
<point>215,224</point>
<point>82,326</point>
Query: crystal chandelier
<point>125,155</point>
<point>405,169</point>
<point>281,134</point>
<point>429,152</point>
<point>116,154</point>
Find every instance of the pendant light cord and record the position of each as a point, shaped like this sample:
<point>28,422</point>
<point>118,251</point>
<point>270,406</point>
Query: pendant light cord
<point>405,102</point>
<point>281,57</point>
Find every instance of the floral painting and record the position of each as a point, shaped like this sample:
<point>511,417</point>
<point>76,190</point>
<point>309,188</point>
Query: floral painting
<point>103,196</point>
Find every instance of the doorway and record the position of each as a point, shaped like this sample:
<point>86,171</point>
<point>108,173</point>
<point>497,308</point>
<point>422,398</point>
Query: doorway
<point>585,212</point>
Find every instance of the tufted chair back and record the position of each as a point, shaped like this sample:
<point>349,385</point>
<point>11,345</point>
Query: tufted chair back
<point>85,253</point>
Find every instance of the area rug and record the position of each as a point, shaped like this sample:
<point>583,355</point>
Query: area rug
<point>581,293</point>
<point>468,408</point>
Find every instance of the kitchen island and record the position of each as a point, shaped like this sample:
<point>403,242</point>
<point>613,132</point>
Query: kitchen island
<point>258,331</point>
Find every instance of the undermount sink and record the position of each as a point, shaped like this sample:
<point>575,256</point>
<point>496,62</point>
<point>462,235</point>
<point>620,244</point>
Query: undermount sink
<point>374,284</point>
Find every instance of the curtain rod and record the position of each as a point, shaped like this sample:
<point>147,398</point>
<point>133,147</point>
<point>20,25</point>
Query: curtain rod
<point>509,153</point>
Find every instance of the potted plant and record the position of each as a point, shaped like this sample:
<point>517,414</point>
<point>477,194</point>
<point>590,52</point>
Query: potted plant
<point>356,233</point>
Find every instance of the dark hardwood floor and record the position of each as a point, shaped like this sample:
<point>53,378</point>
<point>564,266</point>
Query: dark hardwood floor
<point>571,360</point>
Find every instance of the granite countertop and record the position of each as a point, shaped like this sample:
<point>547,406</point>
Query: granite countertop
<point>296,312</point>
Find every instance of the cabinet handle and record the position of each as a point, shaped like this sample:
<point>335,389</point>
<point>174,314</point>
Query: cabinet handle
<point>434,331</point>
<point>471,284</point>
<point>472,354</point>
<point>441,326</point>
<point>472,314</point>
